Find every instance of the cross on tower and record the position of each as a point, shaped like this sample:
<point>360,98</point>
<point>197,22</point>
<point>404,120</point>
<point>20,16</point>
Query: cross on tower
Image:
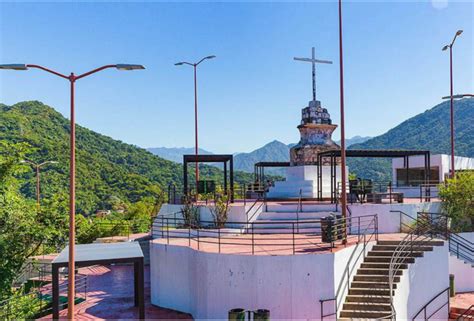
<point>314,61</point>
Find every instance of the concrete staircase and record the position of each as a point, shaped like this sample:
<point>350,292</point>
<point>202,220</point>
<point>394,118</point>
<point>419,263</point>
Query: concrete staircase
<point>281,218</point>
<point>369,292</point>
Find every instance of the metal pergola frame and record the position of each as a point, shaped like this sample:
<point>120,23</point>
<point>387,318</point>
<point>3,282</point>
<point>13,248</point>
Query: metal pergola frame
<point>259,169</point>
<point>139,278</point>
<point>223,158</point>
<point>386,153</point>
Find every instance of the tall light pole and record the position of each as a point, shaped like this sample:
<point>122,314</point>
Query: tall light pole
<point>37,168</point>
<point>343,134</point>
<point>450,46</point>
<point>194,65</point>
<point>72,78</point>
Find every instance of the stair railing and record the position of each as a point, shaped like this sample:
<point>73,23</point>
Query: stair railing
<point>466,313</point>
<point>459,246</point>
<point>363,238</point>
<point>255,207</point>
<point>424,309</point>
<point>421,234</point>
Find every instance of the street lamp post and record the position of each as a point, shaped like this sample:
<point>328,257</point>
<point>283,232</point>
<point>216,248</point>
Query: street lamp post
<point>37,168</point>
<point>72,78</point>
<point>343,134</point>
<point>194,65</point>
<point>450,46</point>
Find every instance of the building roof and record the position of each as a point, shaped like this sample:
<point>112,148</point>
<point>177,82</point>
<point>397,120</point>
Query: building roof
<point>96,253</point>
<point>375,153</point>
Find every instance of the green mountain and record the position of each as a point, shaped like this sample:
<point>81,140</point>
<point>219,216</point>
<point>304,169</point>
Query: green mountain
<point>426,131</point>
<point>106,168</point>
<point>274,151</point>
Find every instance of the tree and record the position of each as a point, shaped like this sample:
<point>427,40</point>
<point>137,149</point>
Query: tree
<point>20,233</point>
<point>458,201</point>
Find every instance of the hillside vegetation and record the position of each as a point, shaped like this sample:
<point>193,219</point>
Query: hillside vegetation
<point>107,169</point>
<point>426,131</point>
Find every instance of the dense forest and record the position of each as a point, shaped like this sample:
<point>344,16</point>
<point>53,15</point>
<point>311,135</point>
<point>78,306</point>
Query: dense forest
<point>426,131</point>
<point>108,171</point>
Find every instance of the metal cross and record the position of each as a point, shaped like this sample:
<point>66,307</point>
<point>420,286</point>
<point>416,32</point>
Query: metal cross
<point>314,61</point>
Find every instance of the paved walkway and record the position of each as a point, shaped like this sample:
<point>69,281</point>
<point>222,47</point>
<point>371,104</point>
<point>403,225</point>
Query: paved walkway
<point>110,297</point>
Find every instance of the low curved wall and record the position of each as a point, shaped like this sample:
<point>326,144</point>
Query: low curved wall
<point>208,285</point>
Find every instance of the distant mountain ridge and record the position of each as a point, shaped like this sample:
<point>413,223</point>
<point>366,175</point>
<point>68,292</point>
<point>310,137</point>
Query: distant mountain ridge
<point>429,130</point>
<point>274,151</point>
<point>175,154</point>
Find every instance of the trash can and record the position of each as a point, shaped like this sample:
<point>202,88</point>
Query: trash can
<point>261,315</point>
<point>237,315</point>
<point>452,290</point>
<point>327,229</point>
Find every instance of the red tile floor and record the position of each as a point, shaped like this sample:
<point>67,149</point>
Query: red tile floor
<point>110,297</point>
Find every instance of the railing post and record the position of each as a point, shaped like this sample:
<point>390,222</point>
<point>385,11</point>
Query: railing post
<point>162,227</point>
<point>376,227</point>
<point>189,235</point>
<point>358,223</point>
<point>197,230</point>
<point>219,238</point>
<point>293,225</point>
<point>167,231</point>
<point>253,250</point>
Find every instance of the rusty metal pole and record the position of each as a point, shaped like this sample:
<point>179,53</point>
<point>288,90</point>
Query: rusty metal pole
<point>453,170</point>
<point>196,127</point>
<point>343,138</point>
<point>38,193</point>
<point>72,206</point>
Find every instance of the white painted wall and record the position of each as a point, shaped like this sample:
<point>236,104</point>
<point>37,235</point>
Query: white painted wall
<point>422,281</point>
<point>208,285</point>
<point>463,272</point>
<point>389,222</point>
<point>237,211</point>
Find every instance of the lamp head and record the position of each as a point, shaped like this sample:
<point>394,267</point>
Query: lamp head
<point>210,57</point>
<point>14,67</point>
<point>445,48</point>
<point>179,64</point>
<point>459,32</point>
<point>129,67</point>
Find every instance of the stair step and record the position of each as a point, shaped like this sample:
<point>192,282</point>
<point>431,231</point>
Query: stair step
<point>364,306</point>
<point>364,314</point>
<point>390,253</point>
<point>393,248</point>
<point>364,298</point>
<point>371,285</point>
<point>422,243</point>
<point>386,259</point>
<point>375,278</point>
<point>373,292</point>
<point>370,271</point>
<point>380,265</point>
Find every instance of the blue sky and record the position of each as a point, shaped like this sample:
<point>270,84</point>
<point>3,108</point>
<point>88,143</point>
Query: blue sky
<point>253,91</point>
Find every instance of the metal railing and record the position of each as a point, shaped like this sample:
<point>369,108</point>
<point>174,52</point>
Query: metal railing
<point>275,237</point>
<point>424,309</point>
<point>38,302</point>
<point>467,314</point>
<point>420,234</point>
<point>459,246</point>
<point>255,208</point>
<point>368,234</point>
<point>299,208</point>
